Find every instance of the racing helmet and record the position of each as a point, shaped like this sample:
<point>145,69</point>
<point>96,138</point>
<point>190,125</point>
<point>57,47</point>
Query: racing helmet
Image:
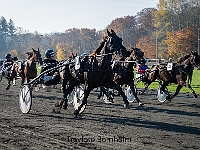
<point>8,56</point>
<point>49,53</point>
<point>83,54</point>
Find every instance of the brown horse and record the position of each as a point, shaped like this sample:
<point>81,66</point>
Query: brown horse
<point>124,72</point>
<point>27,70</point>
<point>178,76</point>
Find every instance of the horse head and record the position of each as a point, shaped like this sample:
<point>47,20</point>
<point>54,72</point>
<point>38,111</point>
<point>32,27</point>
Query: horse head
<point>195,59</point>
<point>191,59</point>
<point>130,56</point>
<point>139,55</point>
<point>37,56</point>
<point>115,43</point>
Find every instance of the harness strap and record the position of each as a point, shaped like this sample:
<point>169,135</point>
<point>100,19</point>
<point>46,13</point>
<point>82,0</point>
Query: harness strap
<point>183,72</point>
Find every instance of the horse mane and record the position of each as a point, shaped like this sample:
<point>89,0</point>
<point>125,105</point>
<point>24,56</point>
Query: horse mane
<point>181,59</point>
<point>30,54</point>
<point>100,47</point>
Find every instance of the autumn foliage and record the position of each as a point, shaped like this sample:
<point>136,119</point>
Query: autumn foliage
<point>181,42</point>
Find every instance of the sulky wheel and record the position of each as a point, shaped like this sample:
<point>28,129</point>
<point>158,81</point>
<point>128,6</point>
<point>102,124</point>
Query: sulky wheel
<point>78,97</point>
<point>108,97</point>
<point>129,94</point>
<point>25,99</point>
<point>70,97</point>
<point>161,95</point>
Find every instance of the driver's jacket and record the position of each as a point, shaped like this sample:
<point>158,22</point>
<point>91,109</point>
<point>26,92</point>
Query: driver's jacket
<point>48,64</point>
<point>7,64</point>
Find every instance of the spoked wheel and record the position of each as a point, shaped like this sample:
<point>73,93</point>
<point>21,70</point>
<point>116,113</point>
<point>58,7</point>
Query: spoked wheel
<point>129,94</point>
<point>70,97</point>
<point>78,97</point>
<point>25,99</point>
<point>161,95</point>
<point>108,98</point>
<point>37,87</point>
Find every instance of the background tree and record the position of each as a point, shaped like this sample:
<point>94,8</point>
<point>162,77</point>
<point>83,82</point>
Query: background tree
<point>181,42</point>
<point>60,54</point>
<point>14,52</point>
<point>172,26</point>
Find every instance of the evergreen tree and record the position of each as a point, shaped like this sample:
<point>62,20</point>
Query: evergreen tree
<point>11,28</point>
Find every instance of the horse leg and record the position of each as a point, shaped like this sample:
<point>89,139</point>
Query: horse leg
<point>101,92</point>
<point>193,92</point>
<point>176,93</point>
<point>8,86</point>
<point>28,79</point>
<point>163,88</point>
<point>135,94</point>
<point>119,89</point>
<point>84,101</point>
<point>66,91</point>
<point>145,87</point>
<point>64,99</point>
<point>22,80</point>
<point>14,81</point>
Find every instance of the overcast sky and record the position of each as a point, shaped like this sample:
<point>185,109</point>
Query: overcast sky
<point>46,16</point>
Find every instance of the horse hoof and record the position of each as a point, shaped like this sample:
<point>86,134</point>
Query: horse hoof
<point>169,98</point>
<point>57,105</point>
<point>140,93</point>
<point>76,113</point>
<point>64,106</point>
<point>195,96</point>
<point>111,99</point>
<point>141,104</point>
<point>56,110</point>
<point>126,105</point>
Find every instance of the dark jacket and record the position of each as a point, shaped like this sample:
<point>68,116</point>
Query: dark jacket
<point>7,64</point>
<point>48,64</point>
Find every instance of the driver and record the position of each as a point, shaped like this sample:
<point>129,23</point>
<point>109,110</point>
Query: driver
<point>170,66</point>
<point>7,64</point>
<point>51,77</point>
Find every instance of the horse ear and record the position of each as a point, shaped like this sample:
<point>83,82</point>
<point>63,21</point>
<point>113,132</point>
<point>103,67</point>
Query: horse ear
<point>33,49</point>
<point>112,31</point>
<point>108,32</point>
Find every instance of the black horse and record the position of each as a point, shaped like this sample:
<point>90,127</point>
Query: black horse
<point>178,76</point>
<point>124,72</point>
<point>94,71</point>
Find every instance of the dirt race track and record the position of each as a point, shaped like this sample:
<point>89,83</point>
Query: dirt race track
<point>156,125</point>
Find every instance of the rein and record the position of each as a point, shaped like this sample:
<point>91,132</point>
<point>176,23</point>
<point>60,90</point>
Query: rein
<point>184,72</point>
<point>103,55</point>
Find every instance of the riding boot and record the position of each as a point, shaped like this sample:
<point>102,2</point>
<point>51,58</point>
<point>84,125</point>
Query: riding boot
<point>126,103</point>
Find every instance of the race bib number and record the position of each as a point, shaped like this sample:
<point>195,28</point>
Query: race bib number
<point>169,66</point>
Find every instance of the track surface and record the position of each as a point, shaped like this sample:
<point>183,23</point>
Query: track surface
<point>156,125</point>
